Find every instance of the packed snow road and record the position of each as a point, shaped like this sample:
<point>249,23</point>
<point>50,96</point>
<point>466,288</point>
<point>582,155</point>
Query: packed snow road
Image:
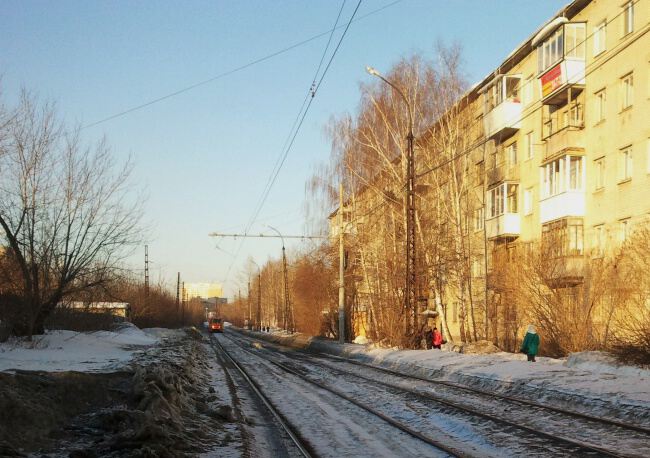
<point>364,411</point>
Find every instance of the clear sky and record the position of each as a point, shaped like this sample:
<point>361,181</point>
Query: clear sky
<point>205,155</point>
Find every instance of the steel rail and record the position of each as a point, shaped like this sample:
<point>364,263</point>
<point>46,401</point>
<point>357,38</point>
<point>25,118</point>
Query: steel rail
<point>300,444</point>
<point>572,442</point>
<point>572,413</point>
<point>402,427</point>
<point>602,420</point>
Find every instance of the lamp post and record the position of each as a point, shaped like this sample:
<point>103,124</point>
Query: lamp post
<point>259,296</point>
<point>409,293</point>
<point>288,321</point>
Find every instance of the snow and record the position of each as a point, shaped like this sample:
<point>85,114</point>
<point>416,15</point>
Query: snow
<point>58,351</point>
<point>361,340</point>
<point>586,381</point>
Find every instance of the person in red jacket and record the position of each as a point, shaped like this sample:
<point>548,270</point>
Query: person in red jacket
<point>437,338</point>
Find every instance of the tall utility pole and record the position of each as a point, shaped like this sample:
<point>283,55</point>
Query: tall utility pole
<point>341,270</point>
<point>178,291</point>
<point>409,291</point>
<point>288,316</point>
<point>259,299</point>
<point>250,317</point>
<point>183,299</point>
<point>146,275</point>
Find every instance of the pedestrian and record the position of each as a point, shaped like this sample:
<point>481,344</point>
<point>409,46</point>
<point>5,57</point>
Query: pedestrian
<point>530,344</point>
<point>428,338</point>
<point>437,338</point>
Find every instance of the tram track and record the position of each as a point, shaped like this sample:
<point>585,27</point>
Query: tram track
<point>292,433</point>
<point>581,447</point>
<point>451,451</point>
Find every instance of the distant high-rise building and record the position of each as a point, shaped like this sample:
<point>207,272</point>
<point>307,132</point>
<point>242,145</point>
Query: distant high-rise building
<point>203,290</point>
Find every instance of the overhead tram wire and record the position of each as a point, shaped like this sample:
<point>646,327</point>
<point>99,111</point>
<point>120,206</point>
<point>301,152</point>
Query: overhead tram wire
<point>588,71</point>
<point>482,142</point>
<point>231,71</point>
<point>295,123</point>
<point>276,172</point>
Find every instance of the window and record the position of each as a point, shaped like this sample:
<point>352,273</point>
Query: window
<point>625,163</point>
<point>528,201</point>
<point>599,240</point>
<point>601,98</point>
<point>574,43</point>
<point>511,153</point>
<point>504,88</point>
<point>563,238</point>
<point>600,34</point>
<point>550,51</point>
<point>625,229</point>
<point>478,267</point>
<point>495,199</point>
<point>627,91</point>
<point>599,172</point>
<point>530,145</point>
<point>575,172</point>
<point>512,198</point>
<point>480,172</point>
<point>503,198</point>
<point>576,242</point>
<point>561,175</point>
<point>479,219</point>
<point>628,18</point>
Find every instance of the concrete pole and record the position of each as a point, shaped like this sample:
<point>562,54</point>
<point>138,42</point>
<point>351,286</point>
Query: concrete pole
<point>341,270</point>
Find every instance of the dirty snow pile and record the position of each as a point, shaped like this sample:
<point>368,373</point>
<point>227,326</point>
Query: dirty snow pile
<point>58,351</point>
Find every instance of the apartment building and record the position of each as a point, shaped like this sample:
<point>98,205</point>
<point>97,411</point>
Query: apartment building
<point>563,153</point>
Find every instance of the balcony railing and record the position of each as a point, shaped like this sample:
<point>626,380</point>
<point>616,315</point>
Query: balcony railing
<point>507,225</point>
<point>502,173</point>
<point>555,82</point>
<point>562,138</point>
<point>504,119</point>
<point>562,205</point>
<point>565,271</point>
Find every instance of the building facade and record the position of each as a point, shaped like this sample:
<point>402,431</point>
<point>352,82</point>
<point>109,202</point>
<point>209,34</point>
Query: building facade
<point>561,154</point>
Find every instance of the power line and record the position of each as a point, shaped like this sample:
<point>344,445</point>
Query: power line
<point>276,171</point>
<point>482,142</point>
<point>231,71</point>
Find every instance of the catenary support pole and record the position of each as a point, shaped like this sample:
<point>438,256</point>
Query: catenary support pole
<point>341,270</point>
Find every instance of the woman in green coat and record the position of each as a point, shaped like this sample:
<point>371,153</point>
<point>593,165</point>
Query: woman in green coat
<point>530,343</point>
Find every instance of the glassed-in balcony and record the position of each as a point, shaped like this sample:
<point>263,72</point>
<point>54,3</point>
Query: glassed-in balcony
<point>503,220</point>
<point>502,107</point>
<point>563,188</point>
<point>561,62</point>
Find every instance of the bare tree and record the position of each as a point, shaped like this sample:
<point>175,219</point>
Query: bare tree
<point>66,211</point>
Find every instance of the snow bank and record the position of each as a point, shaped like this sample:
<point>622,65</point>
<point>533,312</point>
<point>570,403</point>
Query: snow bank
<point>598,361</point>
<point>587,381</point>
<point>58,351</point>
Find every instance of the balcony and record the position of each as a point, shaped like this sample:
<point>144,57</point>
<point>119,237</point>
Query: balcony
<point>560,140</point>
<point>503,120</point>
<point>502,106</point>
<point>562,205</point>
<point>506,226</point>
<point>558,81</point>
<point>565,271</point>
<point>497,175</point>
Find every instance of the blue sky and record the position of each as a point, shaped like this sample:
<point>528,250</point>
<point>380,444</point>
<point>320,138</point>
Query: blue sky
<point>204,156</point>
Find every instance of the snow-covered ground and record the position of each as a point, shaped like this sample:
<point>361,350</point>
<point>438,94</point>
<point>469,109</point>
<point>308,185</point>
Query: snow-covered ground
<point>58,351</point>
<point>587,381</point>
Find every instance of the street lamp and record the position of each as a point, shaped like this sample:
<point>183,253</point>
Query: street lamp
<point>409,295</point>
<point>288,321</point>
